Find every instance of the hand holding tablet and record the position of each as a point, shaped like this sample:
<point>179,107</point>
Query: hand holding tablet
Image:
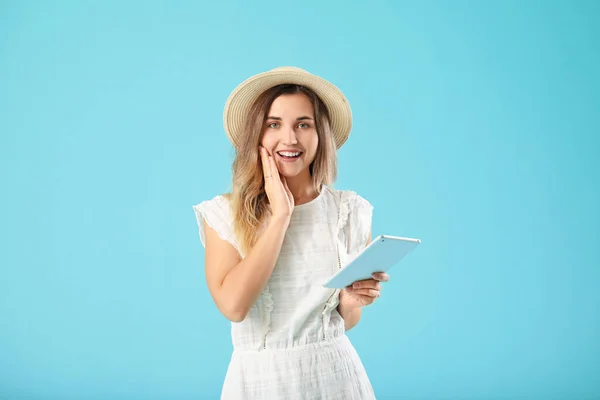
<point>379,256</point>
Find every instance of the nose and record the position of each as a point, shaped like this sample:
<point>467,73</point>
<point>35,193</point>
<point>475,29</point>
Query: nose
<point>290,137</point>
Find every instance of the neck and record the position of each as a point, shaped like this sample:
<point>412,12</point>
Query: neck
<point>302,188</point>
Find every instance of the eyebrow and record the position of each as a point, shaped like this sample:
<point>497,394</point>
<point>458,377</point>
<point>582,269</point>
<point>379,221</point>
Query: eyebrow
<point>303,118</point>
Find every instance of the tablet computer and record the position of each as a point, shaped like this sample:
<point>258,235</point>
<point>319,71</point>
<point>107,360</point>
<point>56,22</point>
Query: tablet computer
<point>379,256</point>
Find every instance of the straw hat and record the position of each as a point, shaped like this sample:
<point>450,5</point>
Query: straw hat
<point>241,99</point>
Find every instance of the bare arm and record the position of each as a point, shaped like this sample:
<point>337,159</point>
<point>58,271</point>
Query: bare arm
<point>236,283</point>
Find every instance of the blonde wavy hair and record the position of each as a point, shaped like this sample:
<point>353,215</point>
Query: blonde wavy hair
<point>248,200</point>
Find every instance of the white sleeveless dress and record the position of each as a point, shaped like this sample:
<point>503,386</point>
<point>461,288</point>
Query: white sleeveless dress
<point>292,344</point>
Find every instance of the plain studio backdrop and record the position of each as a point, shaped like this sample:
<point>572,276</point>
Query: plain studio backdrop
<point>476,129</point>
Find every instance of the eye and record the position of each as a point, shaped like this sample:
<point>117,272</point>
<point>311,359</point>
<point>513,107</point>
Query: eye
<point>273,125</point>
<point>303,125</point>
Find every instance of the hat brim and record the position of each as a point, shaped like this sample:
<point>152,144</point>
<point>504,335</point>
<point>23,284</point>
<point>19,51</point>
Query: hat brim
<point>242,98</point>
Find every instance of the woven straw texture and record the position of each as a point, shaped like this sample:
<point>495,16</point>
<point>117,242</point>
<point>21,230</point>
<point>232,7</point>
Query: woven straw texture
<point>241,99</point>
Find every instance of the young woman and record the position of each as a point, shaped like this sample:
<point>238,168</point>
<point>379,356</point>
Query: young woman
<point>279,235</point>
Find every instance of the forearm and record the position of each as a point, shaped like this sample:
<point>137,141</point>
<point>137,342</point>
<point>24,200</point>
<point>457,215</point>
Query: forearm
<point>244,283</point>
<point>350,316</point>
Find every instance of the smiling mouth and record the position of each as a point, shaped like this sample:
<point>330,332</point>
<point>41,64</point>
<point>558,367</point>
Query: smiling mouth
<point>289,155</point>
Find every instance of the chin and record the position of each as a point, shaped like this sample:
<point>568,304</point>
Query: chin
<point>290,174</point>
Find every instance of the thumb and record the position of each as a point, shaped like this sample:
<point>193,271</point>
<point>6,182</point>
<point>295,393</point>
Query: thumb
<point>285,185</point>
<point>287,190</point>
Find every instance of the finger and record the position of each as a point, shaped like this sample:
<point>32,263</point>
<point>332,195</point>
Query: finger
<point>285,186</point>
<point>373,293</point>
<point>381,276</point>
<point>364,281</point>
<point>264,156</point>
<point>367,284</point>
<point>365,300</point>
<point>274,171</point>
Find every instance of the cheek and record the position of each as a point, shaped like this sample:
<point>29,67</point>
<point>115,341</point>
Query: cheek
<point>312,145</point>
<point>268,142</point>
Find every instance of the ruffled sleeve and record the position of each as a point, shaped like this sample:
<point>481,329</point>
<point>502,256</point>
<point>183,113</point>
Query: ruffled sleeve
<point>355,223</point>
<point>359,224</point>
<point>217,215</point>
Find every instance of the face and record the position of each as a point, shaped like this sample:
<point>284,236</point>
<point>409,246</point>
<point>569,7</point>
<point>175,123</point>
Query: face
<point>290,134</point>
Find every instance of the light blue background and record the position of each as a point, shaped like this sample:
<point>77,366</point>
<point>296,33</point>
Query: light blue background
<point>476,130</point>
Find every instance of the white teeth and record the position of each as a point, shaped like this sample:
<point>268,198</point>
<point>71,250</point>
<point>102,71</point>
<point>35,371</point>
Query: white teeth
<point>289,153</point>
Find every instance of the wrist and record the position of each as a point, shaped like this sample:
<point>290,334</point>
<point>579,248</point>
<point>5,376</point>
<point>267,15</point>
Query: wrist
<point>345,309</point>
<point>350,314</point>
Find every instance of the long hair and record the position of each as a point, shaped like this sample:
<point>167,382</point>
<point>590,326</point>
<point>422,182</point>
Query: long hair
<point>248,199</point>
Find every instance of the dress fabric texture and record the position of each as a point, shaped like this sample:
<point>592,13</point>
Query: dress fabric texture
<point>292,344</point>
